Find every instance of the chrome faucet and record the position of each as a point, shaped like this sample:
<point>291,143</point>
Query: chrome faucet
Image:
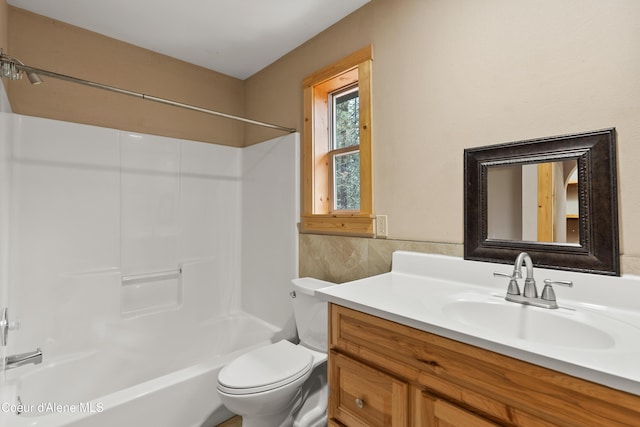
<point>530,294</point>
<point>530,290</point>
<point>18,360</point>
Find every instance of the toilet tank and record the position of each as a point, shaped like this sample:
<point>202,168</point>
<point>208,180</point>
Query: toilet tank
<point>310,313</point>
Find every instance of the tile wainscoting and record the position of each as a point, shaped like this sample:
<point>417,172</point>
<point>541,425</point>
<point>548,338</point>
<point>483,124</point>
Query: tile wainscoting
<point>341,259</point>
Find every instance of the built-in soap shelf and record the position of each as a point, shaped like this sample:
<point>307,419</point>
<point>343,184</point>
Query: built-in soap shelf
<point>151,292</point>
<point>161,275</point>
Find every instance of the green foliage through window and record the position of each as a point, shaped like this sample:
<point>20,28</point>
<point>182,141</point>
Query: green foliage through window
<point>346,163</point>
<point>346,119</point>
<point>346,172</point>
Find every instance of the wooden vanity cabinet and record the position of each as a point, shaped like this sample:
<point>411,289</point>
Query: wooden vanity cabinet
<point>382,373</point>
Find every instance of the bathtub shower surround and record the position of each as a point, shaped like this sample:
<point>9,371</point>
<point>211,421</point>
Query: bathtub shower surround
<point>5,187</point>
<point>127,264</point>
<point>149,229</point>
<point>267,200</point>
<point>5,107</point>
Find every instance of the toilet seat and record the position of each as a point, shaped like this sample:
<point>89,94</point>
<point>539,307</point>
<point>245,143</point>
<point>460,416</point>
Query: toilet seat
<point>265,368</point>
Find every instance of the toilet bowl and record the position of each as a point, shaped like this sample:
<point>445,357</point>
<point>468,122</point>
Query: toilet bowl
<point>284,384</point>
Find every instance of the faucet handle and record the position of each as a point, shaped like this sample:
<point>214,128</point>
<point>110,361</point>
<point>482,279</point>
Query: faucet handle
<point>513,288</point>
<point>498,274</point>
<point>548,293</point>
<point>6,326</point>
<point>567,283</point>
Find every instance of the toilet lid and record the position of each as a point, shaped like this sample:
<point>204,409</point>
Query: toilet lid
<point>265,368</point>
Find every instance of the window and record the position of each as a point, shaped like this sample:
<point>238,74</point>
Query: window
<point>344,146</point>
<point>337,190</point>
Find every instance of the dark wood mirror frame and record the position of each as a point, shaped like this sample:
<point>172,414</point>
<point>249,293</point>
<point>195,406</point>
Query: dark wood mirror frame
<point>598,250</point>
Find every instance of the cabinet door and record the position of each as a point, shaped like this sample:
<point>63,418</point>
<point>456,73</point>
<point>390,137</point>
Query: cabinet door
<point>433,411</point>
<point>364,396</point>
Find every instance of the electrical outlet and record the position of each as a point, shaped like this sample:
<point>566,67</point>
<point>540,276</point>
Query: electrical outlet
<point>381,226</point>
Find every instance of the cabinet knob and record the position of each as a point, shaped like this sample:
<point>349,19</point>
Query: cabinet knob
<point>359,403</point>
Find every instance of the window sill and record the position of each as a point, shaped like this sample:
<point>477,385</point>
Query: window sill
<point>343,225</point>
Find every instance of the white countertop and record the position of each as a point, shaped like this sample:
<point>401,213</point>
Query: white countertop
<point>420,287</point>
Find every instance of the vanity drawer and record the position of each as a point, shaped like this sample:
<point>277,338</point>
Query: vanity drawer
<point>364,396</point>
<point>396,347</point>
<point>436,411</point>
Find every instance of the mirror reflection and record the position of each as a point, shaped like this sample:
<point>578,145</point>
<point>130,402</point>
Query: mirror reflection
<point>534,202</point>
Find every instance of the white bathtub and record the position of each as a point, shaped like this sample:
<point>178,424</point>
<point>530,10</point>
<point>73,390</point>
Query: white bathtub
<point>167,382</point>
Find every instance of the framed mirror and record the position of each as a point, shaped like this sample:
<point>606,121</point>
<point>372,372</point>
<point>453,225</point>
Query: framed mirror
<point>555,198</point>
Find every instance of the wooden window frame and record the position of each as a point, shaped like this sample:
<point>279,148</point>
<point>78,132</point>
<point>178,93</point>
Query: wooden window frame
<point>317,194</point>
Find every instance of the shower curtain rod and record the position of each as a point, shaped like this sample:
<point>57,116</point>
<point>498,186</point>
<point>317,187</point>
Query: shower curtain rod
<point>28,69</point>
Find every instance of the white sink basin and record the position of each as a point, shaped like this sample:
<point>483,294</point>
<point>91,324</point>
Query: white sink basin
<point>559,327</point>
<point>594,335</point>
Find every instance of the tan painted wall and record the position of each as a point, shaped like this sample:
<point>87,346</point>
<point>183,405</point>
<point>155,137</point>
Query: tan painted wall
<point>4,25</point>
<point>4,29</point>
<point>52,45</point>
<point>451,74</point>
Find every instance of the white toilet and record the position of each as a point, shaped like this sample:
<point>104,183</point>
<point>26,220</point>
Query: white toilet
<point>284,384</point>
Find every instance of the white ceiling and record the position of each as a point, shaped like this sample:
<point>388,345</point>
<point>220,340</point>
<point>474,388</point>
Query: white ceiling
<point>234,37</point>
